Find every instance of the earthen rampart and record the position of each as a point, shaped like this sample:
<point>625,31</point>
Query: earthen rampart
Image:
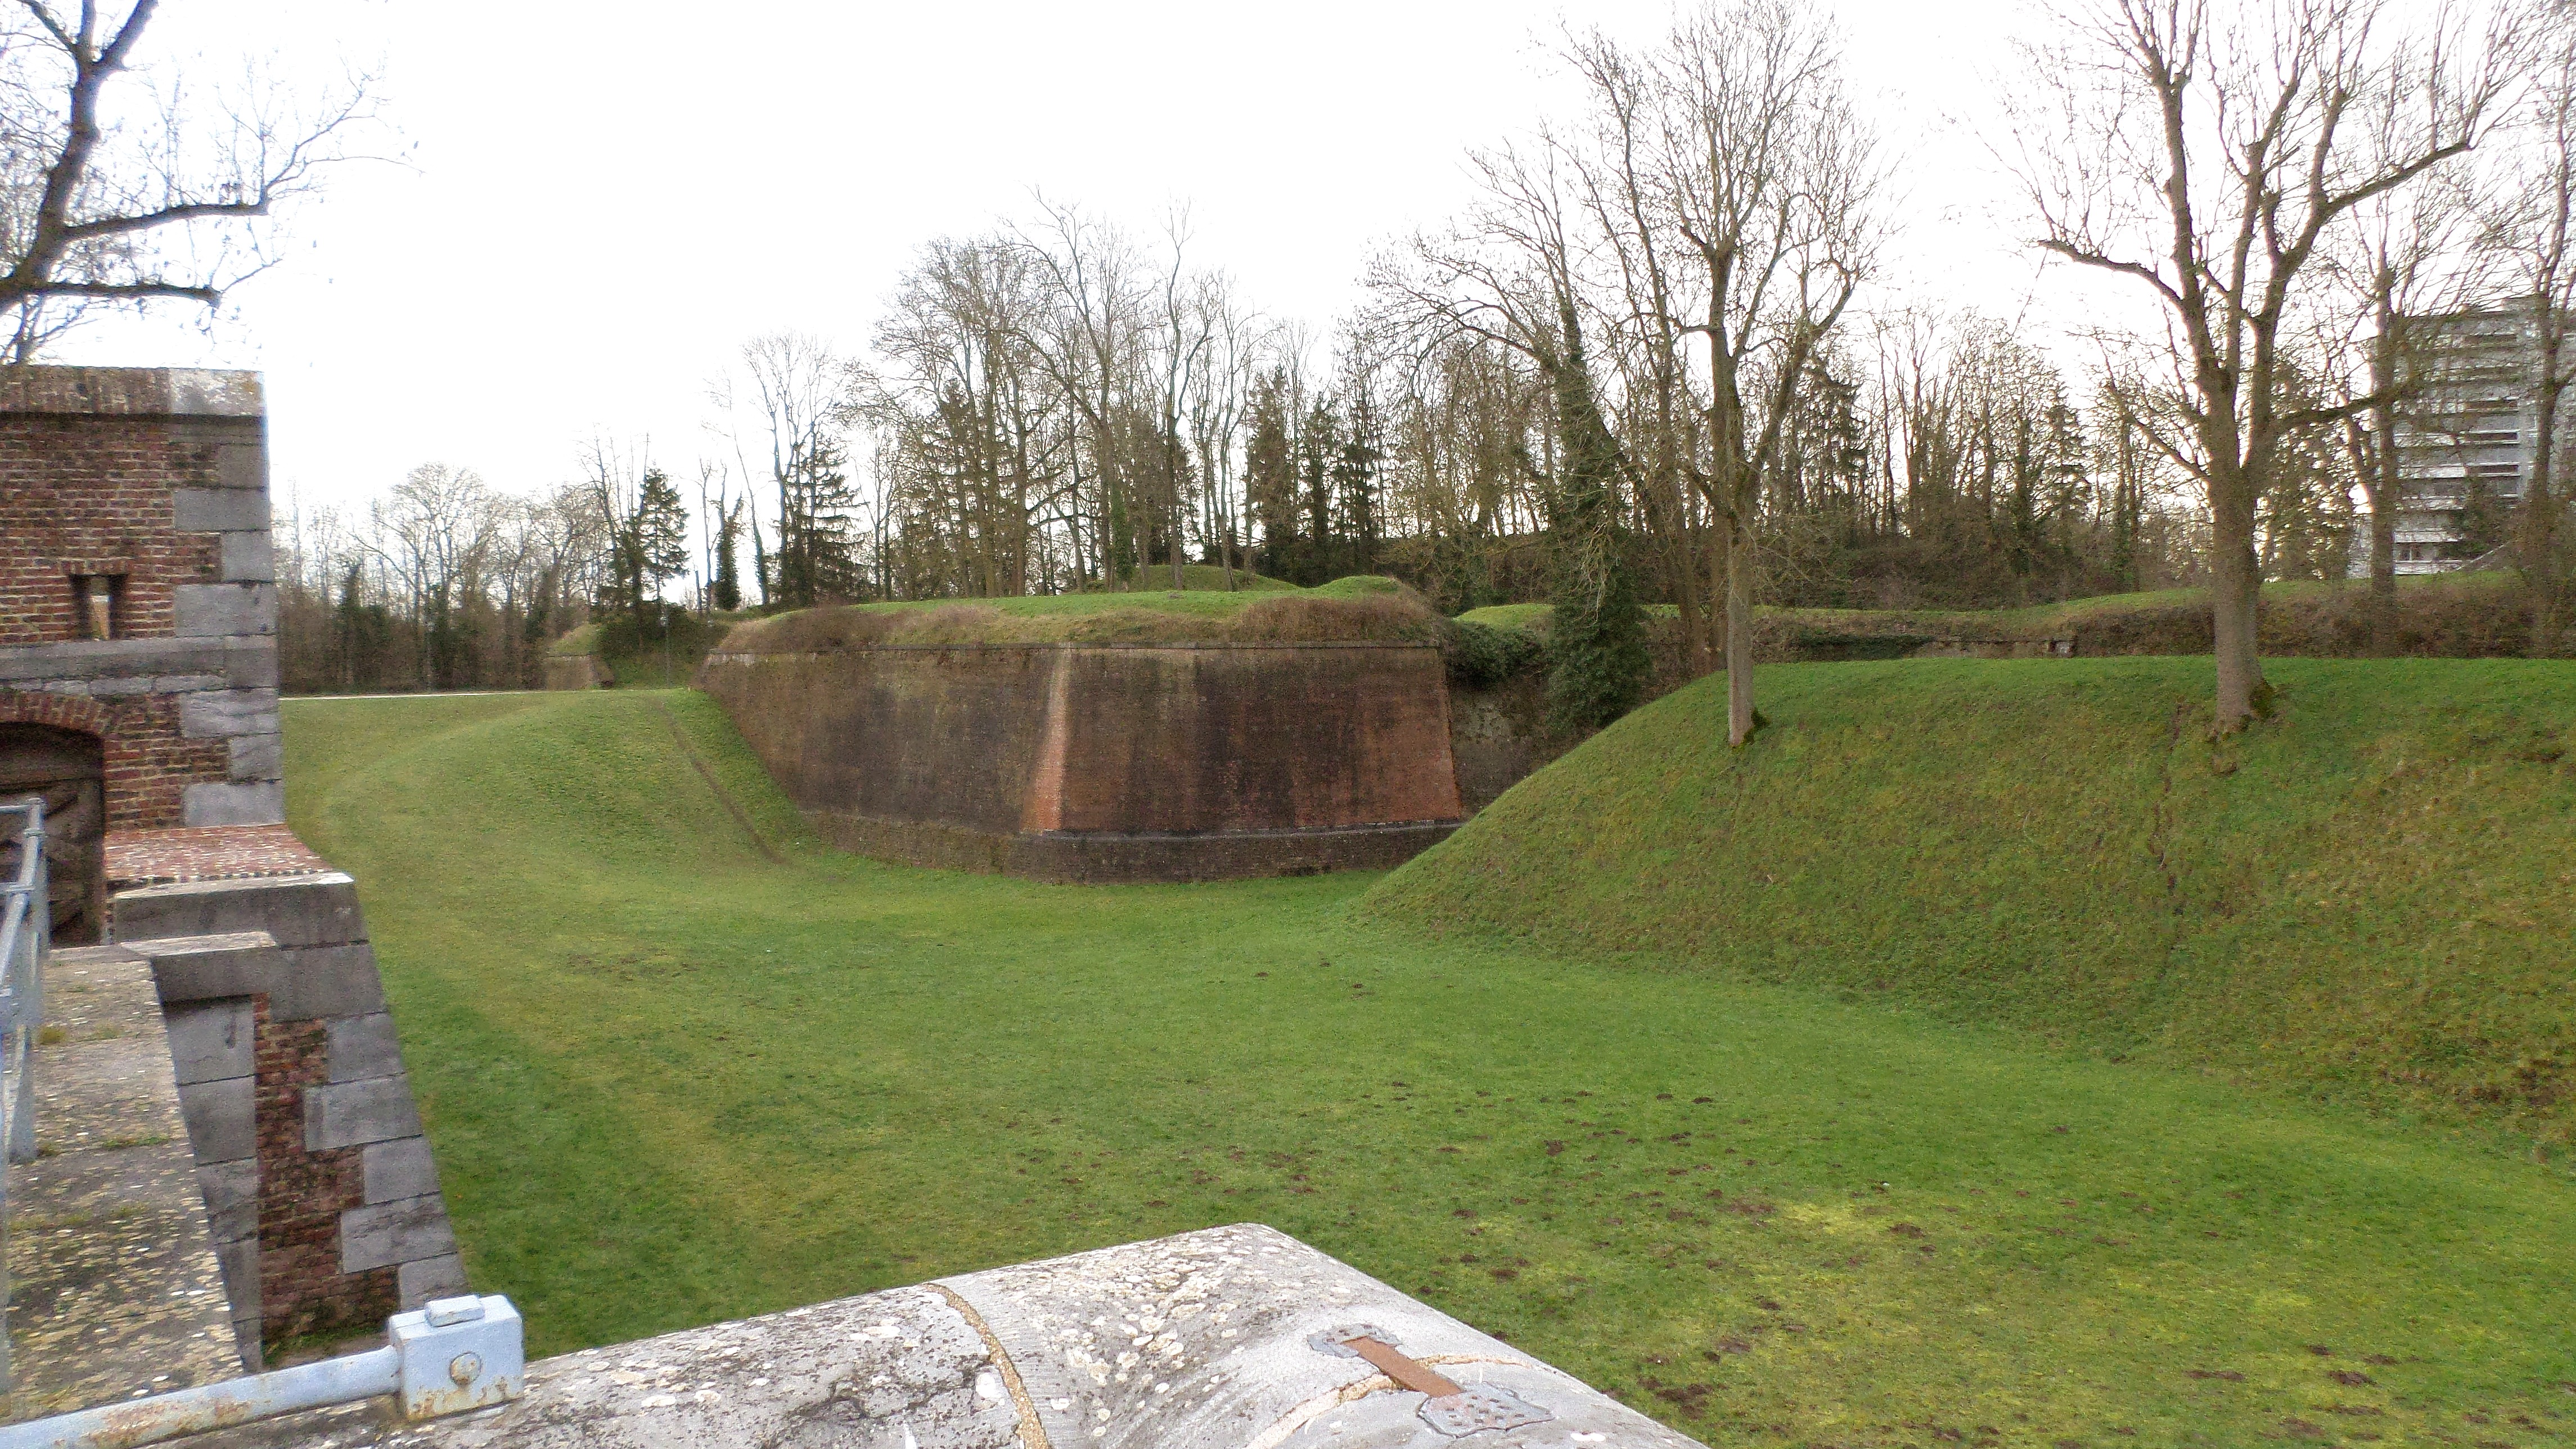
<point>1091,762</point>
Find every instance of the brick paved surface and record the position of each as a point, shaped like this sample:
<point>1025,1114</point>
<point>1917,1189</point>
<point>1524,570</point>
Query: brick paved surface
<point>205,852</point>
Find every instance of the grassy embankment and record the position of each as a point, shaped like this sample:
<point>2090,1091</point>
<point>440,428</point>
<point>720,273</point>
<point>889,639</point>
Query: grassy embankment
<point>671,1081</point>
<point>2371,893</point>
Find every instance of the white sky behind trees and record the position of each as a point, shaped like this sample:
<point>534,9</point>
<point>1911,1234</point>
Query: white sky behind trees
<point>596,204</point>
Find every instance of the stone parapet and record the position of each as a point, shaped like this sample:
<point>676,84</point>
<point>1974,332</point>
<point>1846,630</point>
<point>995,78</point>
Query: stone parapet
<point>308,1146</point>
<point>1235,1336</point>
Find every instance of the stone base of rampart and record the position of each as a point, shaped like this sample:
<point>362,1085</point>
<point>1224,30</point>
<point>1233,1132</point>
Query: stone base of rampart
<point>1106,858</point>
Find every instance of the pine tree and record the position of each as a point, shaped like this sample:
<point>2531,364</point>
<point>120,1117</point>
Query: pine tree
<point>1270,470</point>
<point>651,544</point>
<point>726,591</point>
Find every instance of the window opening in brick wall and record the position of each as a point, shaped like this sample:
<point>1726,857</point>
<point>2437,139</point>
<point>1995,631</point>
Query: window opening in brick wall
<point>95,604</point>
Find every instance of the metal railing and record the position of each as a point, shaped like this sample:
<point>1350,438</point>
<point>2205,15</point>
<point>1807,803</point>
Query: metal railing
<point>450,1356</point>
<point>26,926</point>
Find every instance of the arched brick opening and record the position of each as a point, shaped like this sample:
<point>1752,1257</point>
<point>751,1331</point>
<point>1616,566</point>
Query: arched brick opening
<point>67,769</point>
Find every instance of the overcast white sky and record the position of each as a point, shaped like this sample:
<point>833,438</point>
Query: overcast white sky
<point>600,202</point>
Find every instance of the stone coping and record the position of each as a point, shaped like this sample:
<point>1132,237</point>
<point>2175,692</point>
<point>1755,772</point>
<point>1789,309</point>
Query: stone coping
<point>1227,1336</point>
<point>136,391</point>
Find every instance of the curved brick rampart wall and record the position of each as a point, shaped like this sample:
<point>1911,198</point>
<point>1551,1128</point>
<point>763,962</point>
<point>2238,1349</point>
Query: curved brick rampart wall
<point>1105,762</point>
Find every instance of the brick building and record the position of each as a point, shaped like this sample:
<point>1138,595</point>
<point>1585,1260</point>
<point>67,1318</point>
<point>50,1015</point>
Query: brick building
<point>138,617</point>
<point>138,695</point>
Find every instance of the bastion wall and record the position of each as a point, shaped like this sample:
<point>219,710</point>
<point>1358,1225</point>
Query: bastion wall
<point>1107,762</point>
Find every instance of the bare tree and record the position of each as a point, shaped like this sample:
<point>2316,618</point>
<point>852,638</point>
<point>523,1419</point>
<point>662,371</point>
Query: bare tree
<point>2204,156</point>
<point>795,392</point>
<point>90,192</point>
<point>2530,232</point>
<point>2403,259</point>
<point>1755,158</point>
<point>434,535</point>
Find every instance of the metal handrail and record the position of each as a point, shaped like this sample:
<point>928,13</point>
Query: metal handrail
<point>26,930</point>
<point>448,1356</point>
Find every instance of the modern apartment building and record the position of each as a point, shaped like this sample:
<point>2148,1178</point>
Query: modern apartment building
<point>2465,448</point>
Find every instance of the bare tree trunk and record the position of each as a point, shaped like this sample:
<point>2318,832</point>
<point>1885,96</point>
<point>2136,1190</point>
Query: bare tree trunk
<point>2538,542</point>
<point>2381,604</point>
<point>1732,560</point>
<point>2235,597</point>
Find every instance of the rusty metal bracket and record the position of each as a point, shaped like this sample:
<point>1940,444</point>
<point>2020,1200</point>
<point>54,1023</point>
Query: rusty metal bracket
<point>1451,1410</point>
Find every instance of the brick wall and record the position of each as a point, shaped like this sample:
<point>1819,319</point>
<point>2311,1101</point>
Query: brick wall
<point>1103,763</point>
<point>303,1194</point>
<point>156,479</point>
<point>97,495</point>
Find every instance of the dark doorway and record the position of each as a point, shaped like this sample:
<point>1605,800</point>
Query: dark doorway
<point>66,767</point>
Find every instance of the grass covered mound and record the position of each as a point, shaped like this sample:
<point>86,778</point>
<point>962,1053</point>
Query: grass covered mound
<point>2372,890</point>
<point>1363,608</point>
<point>2459,616</point>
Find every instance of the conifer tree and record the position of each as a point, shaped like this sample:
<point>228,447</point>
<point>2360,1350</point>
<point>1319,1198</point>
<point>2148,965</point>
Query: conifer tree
<point>1597,659</point>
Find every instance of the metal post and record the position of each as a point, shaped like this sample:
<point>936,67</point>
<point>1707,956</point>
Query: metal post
<point>26,926</point>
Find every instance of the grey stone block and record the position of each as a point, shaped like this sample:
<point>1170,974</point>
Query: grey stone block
<point>221,1118</point>
<point>352,1114</point>
<point>206,968</point>
<point>295,910</point>
<point>363,1047</point>
<point>211,611</point>
<point>258,757</point>
<point>258,802</point>
<point>239,1258</point>
<point>399,1169</point>
<point>218,510</point>
<point>210,1040</point>
<point>242,465</point>
<point>250,663</point>
<point>428,1278</point>
<point>189,683</point>
<point>216,714</point>
<point>130,684</point>
<point>381,1235</point>
<point>318,982</point>
<point>232,1200</point>
<point>246,1336</point>
<point>68,659</point>
<point>248,559</point>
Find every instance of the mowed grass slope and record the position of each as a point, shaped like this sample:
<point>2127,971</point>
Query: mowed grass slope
<point>2375,891</point>
<point>671,1081</point>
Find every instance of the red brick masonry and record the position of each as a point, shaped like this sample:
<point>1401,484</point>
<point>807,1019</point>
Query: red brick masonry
<point>302,1194</point>
<point>206,852</point>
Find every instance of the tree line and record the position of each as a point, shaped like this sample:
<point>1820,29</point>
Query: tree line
<point>1656,361</point>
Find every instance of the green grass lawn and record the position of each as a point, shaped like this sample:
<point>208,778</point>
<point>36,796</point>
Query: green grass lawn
<point>671,1081</point>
